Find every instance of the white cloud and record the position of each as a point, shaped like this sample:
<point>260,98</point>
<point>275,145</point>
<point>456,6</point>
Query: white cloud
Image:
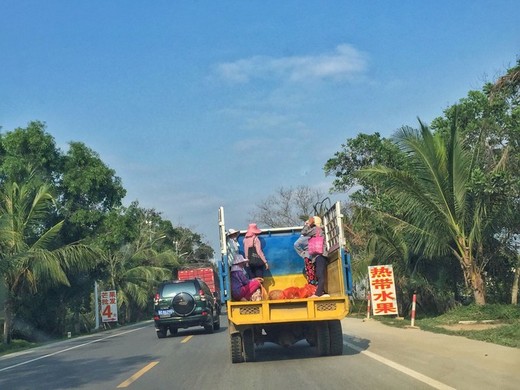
<point>245,145</point>
<point>345,62</point>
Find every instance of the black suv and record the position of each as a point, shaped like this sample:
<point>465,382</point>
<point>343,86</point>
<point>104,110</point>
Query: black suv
<point>183,304</point>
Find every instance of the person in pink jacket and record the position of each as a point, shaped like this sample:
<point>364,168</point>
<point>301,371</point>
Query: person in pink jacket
<point>252,239</point>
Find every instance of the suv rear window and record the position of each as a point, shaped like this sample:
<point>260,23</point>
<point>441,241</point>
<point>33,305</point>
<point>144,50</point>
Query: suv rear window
<point>172,289</point>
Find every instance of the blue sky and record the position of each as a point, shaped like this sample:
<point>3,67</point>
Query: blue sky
<point>201,104</point>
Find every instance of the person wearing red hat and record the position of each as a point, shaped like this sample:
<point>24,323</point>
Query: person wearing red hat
<point>251,240</point>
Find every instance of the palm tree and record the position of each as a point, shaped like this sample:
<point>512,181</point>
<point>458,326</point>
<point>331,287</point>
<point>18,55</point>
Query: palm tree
<point>136,267</point>
<point>437,208</point>
<point>29,256</point>
<point>132,278</point>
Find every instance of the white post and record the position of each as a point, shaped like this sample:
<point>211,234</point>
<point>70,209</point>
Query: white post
<point>96,304</point>
<point>414,298</point>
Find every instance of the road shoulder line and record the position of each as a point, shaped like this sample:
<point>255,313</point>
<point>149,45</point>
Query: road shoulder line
<point>405,370</point>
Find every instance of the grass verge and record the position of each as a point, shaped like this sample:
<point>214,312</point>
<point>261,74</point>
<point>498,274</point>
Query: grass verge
<point>16,346</point>
<point>498,324</point>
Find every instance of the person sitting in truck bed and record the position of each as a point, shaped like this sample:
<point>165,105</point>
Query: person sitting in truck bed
<point>243,288</point>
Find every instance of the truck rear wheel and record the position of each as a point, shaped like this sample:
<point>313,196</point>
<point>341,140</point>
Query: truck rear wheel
<point>236,348</point>
<point>249,345</point>
<point>323,338</point>
<point>336,337</point>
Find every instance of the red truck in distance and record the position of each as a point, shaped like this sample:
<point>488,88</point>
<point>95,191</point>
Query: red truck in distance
<point>206,274</point>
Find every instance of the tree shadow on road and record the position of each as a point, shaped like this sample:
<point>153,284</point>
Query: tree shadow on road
<point>72,373</point>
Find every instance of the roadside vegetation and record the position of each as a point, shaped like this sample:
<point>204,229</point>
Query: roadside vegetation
<point>440,202</point>
<point>63,229</point>
<point>497,324</point>
<point>16,346</point>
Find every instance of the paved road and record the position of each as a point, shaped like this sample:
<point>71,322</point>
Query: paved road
<point>454,361</point>
<point>374,356</point>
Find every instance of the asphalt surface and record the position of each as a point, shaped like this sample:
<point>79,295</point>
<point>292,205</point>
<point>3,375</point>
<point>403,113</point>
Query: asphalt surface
<point>374,356</point>
<point>456,361</point>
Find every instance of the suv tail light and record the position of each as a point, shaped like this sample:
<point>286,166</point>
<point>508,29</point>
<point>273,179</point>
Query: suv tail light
<point>156,299</point>
<point>202,296</point>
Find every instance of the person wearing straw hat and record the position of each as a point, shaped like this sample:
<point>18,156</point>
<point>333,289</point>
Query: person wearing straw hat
<point>233,247</point>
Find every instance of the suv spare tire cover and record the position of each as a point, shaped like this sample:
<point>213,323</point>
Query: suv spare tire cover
<point>183,304</point>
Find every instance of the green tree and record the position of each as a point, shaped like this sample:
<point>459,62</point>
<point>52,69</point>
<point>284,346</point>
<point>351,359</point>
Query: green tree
<point>88,190</point>
<point>489,122</point>
<point>190,248</point>
<point>133,258</point>
<point>436,207</point>
<point>29,257</point>
<point>371,239</point>
<point>27,152</point>
<point>85,190</point>
<point>363,151</point>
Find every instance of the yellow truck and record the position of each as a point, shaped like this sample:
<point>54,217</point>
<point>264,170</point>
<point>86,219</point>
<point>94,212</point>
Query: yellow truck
<point>287,321</point>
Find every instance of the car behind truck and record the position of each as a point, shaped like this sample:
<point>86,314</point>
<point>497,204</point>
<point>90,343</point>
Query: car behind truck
<point>287,321</point>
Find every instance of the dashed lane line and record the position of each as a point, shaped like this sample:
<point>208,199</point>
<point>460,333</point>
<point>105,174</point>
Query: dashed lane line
<point>137,375</point>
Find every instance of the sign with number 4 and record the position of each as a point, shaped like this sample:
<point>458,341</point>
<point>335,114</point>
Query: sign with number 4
<point>109,306</point>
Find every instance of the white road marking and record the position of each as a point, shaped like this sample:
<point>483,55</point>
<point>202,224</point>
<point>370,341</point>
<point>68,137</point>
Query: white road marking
<point>405,370</point>
<point>67,349</point>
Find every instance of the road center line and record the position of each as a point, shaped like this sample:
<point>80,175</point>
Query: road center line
<point>137,375</point>
<point>186,339</point>
<point>405,370</point>
<point>68,349</point>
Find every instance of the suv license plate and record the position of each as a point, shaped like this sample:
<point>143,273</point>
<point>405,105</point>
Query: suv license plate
<point>166,313</point>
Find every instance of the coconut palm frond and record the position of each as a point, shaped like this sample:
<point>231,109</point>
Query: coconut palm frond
<point>77,257</point>
<point>47,268</point>
<point>48,237</point>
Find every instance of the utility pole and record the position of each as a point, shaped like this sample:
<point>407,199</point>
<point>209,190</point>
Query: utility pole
<point>96,304</point>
